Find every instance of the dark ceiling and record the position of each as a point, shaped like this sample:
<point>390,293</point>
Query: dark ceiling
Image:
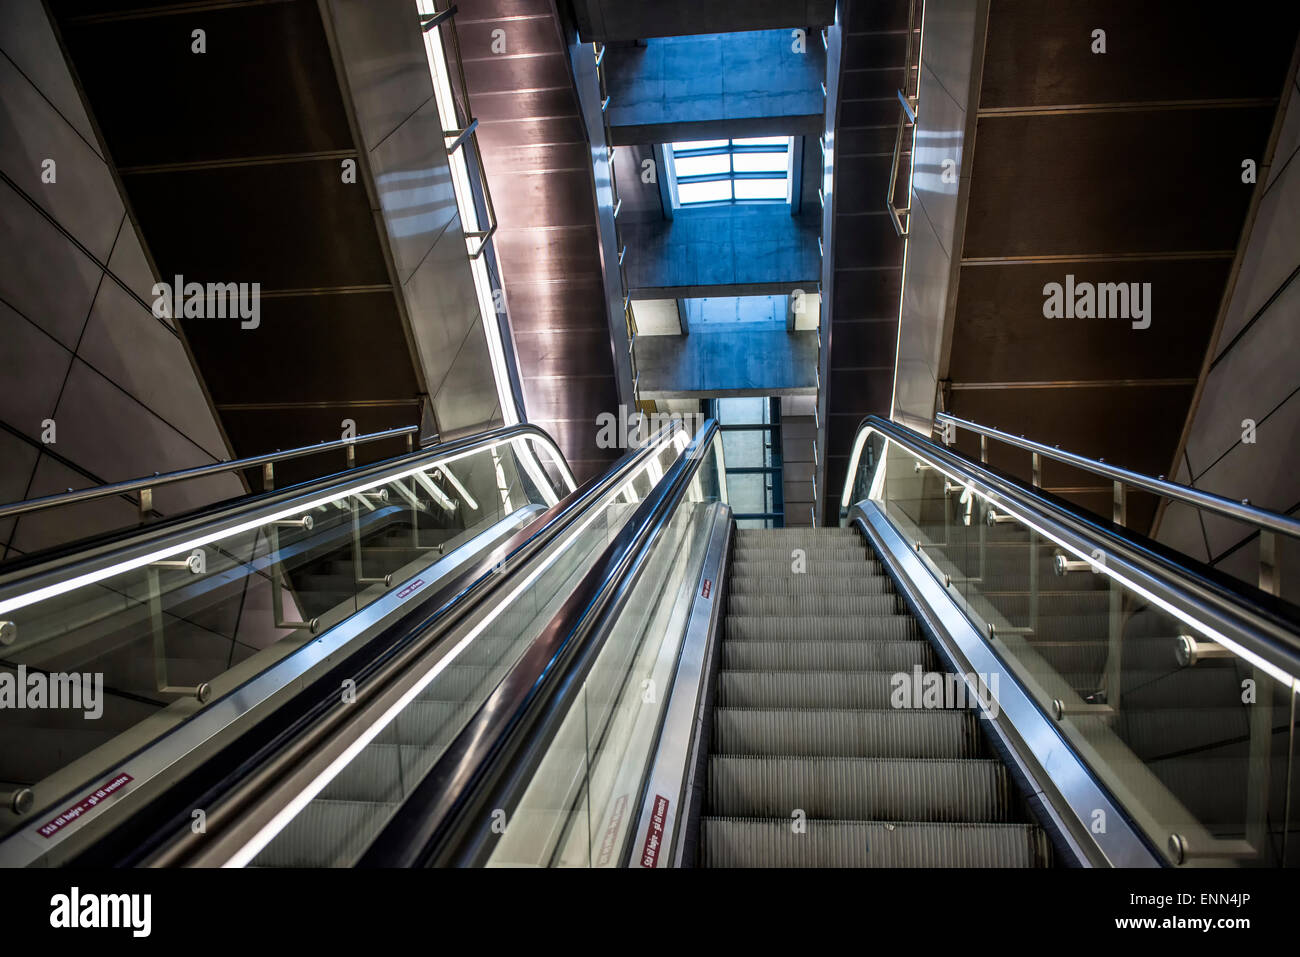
<point>1116,167</point>
<point>230,163</point>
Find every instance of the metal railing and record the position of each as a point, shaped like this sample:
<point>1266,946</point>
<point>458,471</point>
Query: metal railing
<point>906,115</point>
<point>598,51</point>
<point>464,134</point>
<point>1269,524</point>
<point>147,484</point>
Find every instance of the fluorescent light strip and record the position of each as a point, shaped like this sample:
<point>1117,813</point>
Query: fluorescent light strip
<point>437,494</point>
<point>91,578</point>
<point>464,492</point>
<point>294,807</point>
<point>442,89</point>
<point>524,451</point>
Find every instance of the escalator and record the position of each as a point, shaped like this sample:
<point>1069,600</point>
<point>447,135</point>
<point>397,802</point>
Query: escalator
<point>804,726</point>
<point>969,672</point>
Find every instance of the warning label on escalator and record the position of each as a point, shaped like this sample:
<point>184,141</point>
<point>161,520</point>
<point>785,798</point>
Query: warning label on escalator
<point>83,807</point>
<point>655,835</point>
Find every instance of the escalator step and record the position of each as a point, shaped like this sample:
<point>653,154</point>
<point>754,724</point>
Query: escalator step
<point>844,733</point>
<point>821,628</point>
<point>811,584</point>
<point>804,689</point>
<point>849,570</point>
<point>845,553</point>
<point>891,789</point>
<point>813,605</point>
<point>732,842</point>
<point>826,655</point>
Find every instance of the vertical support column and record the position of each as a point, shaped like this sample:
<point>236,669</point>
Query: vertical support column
<point>984,527</point>
<point>1259,772</point>
<point>1115,642</point>
<point>1268,577</point>
<point>156,629</point>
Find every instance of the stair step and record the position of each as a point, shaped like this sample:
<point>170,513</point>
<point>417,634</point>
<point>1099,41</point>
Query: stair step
<point>805,689</point>
<point>735,842</point>
<point>812,606</point>
<point>891,789</point>
<point>851,570</point>
<point>812,583</point>
<point>817,655</point>
<point>821,628</point>
<point>845,733</point>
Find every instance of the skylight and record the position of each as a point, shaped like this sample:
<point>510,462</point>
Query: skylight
<point>731,171</point>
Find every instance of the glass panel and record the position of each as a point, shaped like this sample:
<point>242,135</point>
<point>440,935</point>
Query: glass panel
<point>749,449</point>
<point>763,141</point>
<point>145,641</point>
<point>709,192</point>
<point>699,145</point>
<point>1188,733</point>
<point>743,411</point>
<point>580,808</point>
<point>761,162</point>
<point>761,188</point>
<point>702,165</point>
<point>334,829</point>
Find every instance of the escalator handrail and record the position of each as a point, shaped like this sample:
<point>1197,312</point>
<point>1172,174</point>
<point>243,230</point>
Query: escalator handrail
<point>139,546</point>
<point>403,640</point>
<point>203,471</point>
<point>1205,501</point>
<point>491,762</point>
<point>1261,625</point>
<point>270,787</point>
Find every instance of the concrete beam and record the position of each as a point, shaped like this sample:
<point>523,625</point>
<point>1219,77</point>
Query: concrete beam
<point>715,86</point>
<point>601,20</point>
<point>743,361</point>
<point>742,250</point>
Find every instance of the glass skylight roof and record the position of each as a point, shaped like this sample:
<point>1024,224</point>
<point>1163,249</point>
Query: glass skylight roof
<point>756,169</point>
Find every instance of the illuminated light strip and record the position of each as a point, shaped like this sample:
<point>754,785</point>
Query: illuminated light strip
<point>907,240</point>
<point>91,578</point>
<point>460,179</point>
<point>464,492</point>
<point>1101,567</point>
<point>436,493</point>
<point>502,485</point>
<point>535,471</point>
<point>294,807</point>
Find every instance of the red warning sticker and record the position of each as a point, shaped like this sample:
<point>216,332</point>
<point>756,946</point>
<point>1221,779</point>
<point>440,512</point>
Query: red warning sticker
<point>84,806</point>
<point>655,836</point>
<point>708,587</point>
